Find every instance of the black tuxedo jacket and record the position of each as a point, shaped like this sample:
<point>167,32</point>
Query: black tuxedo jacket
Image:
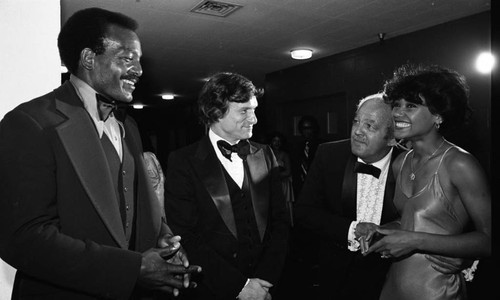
<point>327,206</point>
<point>60,223</point>
<point>199,209</point>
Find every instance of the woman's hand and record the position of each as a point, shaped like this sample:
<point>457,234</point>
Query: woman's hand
<point>395,243</point>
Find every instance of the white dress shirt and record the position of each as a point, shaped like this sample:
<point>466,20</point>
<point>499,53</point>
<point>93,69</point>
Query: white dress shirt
<point>234,166</point>
<point>369,198</point>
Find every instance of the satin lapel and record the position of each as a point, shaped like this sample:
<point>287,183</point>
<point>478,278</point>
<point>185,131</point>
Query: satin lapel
<point>83,147</point>
<point>259,189</point>
<point>208,167</point>
<point>349,187</point>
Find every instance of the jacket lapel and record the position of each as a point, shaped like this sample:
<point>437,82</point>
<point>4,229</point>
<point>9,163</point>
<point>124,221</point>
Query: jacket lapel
<point>81,142</point>
<point>349,187</point>
<point>212,176</point>
<point>257,173</point>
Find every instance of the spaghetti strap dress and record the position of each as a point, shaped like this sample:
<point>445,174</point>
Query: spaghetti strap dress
<point>428,210</point>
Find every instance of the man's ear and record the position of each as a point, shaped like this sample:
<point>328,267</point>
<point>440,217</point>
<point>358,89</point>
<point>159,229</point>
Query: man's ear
<point>87,58</point>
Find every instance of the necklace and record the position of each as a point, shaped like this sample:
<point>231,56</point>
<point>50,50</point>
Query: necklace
<point>412,173</point>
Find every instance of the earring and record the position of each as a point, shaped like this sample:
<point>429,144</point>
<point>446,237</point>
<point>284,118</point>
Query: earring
<point>437,125</point>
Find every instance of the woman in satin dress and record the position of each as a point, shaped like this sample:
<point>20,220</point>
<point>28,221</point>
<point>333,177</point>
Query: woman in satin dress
<point>442,192</point>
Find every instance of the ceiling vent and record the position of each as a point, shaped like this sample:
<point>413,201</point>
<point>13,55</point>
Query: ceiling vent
<point>215,8</point>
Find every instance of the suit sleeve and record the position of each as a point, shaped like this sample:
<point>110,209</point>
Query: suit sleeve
<point>319,206</point>
<point>30,231</point>
<point>271,265</point>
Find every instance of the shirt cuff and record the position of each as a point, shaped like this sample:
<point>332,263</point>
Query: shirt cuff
<point>352,243</point>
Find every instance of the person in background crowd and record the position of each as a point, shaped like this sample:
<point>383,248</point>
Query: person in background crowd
<point>441,189</point>
<point>277,143</point>
<point>309,131</point>
<point>223,195</point>
<point>78,215</point>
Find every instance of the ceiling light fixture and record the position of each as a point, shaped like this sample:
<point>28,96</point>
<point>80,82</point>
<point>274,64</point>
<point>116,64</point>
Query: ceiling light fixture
<point>301,53</point>
<point>485,62</point>
<point>167,96</point>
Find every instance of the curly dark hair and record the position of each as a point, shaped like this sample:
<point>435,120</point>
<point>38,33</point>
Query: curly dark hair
<point>219,90</point>
<point>445,91</point>
<point>87,29</point>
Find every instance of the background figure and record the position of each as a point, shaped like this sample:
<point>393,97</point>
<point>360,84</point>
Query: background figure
<point>277,142</point>
<point>157,178</point>
<point>442,193</point>
<point>78,215</point>
<point>304,153</point>
<point>223,195</point>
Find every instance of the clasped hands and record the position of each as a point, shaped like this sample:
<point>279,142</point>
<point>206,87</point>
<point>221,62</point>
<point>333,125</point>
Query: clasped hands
<point>255,289</point>
<point>392,242</point>
<point>167,268</point>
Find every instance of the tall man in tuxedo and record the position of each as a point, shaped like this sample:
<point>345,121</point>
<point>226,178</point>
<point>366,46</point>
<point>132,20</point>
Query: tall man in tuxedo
<point>78,216</point>
<point>229,206</point>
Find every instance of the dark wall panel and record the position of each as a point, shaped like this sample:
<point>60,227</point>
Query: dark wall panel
<point>362,71</point>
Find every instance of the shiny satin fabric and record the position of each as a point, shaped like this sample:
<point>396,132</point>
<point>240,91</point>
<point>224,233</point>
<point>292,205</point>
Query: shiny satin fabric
<point>428,210</point>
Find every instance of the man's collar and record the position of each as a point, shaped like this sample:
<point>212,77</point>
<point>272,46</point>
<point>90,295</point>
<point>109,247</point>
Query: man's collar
<point>382,162</point>
<point>86,93</point>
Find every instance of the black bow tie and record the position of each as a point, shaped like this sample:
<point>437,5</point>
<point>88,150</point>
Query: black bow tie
<point>242,148</point>
<point>360,167</point>
<point>104,107</point>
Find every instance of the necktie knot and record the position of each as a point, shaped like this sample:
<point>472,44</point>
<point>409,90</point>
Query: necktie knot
<point>104,107</point>
<point>360,167</point>
<point>242,148</point>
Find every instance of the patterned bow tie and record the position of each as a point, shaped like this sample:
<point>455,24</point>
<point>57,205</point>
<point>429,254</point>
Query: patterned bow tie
<point>242,148</point>
<point>360,167</point>
<point>104,107</point>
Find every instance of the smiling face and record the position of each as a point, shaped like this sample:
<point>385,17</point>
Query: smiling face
<point>412,120</point>
<point>370,136</point>
<point>237,123</point>
<point>117,70</point>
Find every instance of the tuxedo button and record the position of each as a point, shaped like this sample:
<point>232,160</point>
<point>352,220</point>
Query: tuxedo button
<point>124,172</point>
<point>235,255</point>
<point>125,189</point>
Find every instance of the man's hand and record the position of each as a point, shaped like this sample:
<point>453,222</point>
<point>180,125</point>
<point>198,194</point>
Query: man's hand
<point>158,274</point>
<point>366,230</point>
<point>256,289</point>
<point>177,258</point>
